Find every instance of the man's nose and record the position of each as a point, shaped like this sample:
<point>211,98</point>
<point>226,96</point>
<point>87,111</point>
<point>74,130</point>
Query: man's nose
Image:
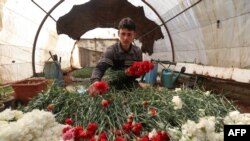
<point>126,36</point>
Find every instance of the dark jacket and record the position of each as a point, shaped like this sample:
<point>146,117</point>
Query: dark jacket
<point>117,59</point>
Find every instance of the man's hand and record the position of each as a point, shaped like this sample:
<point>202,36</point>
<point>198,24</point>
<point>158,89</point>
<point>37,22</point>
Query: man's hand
<point>126,71</point>
<point>92,89</point>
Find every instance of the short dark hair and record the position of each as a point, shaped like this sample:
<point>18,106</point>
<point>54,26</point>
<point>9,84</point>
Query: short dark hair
<point>127,23</point>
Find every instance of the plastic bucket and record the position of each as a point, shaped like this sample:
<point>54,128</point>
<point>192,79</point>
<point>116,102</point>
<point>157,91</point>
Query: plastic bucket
<point>52,70</point>
<point>151,77</point>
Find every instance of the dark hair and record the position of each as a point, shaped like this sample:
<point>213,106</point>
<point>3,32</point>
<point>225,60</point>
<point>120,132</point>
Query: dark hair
<point>127,23</point>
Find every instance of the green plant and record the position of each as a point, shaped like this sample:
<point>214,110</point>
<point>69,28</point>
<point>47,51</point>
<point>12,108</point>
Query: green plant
<point>83,73</point>
<point>84,108</point>
<point>5,92</point>
<point>151,108</point>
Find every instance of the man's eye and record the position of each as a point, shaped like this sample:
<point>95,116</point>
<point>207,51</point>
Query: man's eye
<point>126,34</point>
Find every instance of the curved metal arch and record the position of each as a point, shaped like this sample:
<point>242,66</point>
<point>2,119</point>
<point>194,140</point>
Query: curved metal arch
<point>163,23</point>
<point>56,5</point>
<point>37,34</point>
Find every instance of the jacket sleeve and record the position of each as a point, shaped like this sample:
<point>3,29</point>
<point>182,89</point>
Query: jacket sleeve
<point>104,63</point>
<point>140,55</point>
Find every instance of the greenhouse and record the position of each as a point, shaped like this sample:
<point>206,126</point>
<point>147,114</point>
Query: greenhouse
<point>124,70</point>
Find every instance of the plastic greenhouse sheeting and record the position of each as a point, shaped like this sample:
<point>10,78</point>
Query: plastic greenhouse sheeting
<point>208,34</point>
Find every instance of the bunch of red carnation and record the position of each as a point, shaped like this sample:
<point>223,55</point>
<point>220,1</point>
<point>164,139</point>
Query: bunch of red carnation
<point>140,68</point>
<point>78,133</point>
<point>130,127</point>
<point>157,136</point>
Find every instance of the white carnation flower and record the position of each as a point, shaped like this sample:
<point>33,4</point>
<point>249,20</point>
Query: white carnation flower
<point>204,130</point>
<point>177,89</point>
<point>215,136</point>
<point>18,114</point>
<point>201,112</point>
<point>8,115</point>
<point>3,123</point>
<point>207,93</point>
<point>36,125</point>
<point>189,128</point>
<point>152,134</point>
<point>235,117</point>
<point>174,133</point>
<point>207,124</point>
<point>177,102</point>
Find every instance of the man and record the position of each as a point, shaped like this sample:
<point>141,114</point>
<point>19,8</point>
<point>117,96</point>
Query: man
<point>118,56</point>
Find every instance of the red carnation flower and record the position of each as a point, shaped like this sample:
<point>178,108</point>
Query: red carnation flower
<point>131,116</point>
<point>147,66</point>
<point>145,138</point>
<point>92,126</point>
<point>164,136</point>
<point>131,71</point>
<point>153,112</point>
<point>161,136</point>
<point>102,139</point>
<point>105,103</point>
<point>145,103</point>
<point>156,138</point>
<point>137,128</point>
<point>83,134</point>
<point>92,139</point>
<point>68,121</point>
<point>101,86</point>
<point>118,132</point>
<point>78,130</point>
<point>140,72</point>
<point>126,126</point>
<point>119,139</point>
<point>66,129</point>
<point>90,133</point>
<point>151,66</point>
<point>50,107</point>
<point>102,136</point>
<point>130,121</point>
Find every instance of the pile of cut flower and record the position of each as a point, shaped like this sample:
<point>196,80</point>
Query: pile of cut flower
<point>140,114</point>
<point>37,125</point>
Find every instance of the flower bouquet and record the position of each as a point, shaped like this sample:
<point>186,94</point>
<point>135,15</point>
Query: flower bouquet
<point>140,68</point>
<point>120,79</point>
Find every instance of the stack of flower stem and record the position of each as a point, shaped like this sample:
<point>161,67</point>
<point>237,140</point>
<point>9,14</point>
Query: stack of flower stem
<point>83,109</point>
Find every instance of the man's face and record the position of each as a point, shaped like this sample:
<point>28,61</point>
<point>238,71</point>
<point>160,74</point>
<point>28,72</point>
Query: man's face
<point>126,37</point>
